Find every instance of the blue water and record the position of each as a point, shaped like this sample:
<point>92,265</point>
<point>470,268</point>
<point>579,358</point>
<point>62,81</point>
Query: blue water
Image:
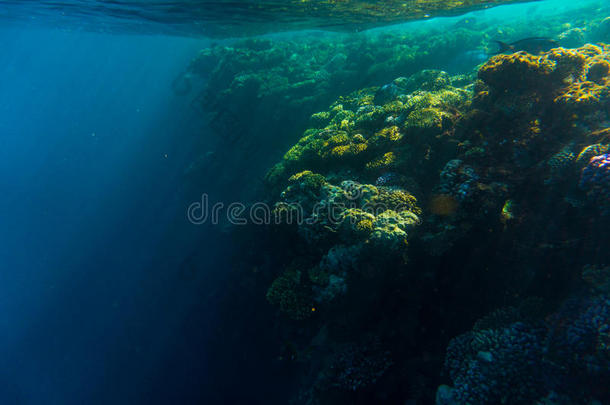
<point>92,218</point>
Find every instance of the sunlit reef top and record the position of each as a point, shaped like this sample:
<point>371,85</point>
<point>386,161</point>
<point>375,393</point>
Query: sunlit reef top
<point>232,18</point>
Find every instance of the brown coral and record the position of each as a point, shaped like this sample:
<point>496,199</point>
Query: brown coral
<point>556,70</point>
<point>519,70</point>
<point>568,83</point>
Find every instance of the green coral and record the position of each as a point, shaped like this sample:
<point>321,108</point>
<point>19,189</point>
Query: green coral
<point>305,190</point>
<point>386,137</point>
<point>276,174</point>
<point>390,228</point>
<point>320,119</point>
<point>360,136</point>
<point>386,161</point>
<point>356,224</point>
<point>308,181</point>
<point>370,117</point>
<point>434,111</point>
<point>290,294</point>
<point>352,211</point>
<point>393,199</point>
<point>364,225</point>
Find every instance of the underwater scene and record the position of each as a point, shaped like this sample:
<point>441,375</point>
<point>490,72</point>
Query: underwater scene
<point>309,202</point>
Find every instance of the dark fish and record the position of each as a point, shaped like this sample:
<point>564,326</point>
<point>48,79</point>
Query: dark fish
<point>534,45</point>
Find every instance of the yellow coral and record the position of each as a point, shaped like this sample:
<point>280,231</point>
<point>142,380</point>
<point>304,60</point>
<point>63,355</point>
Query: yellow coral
<point>356,223</point>
<point>358,138</point>
<point>300,175</point>
<point>575,77</point>
<point>336,108</point>
<point>339,139</point>
<point>320,119</point>
<point>581,94</point>
<point>388,159</point>
<point>425,118</point>
<point>504,71</point>
<point>589,151</point>
<point>348,150</point>
<point>390,133</point>
<point>366,225</point>
<point>568,63</point>
<point>346,124</point>
<point>395,200</point>
<point>394,107</point>
<point>339,150</point>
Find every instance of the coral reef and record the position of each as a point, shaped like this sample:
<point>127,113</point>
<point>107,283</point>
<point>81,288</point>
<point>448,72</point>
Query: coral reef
<point>355,220</point>
<point>258,93</point>
<point>369,140</point>
<point>494,366</point>
<point>595,179</point>
<point>410,201</point>
<point>567,356</point>
<point>290,293</point>
<point>422,162</point>
<point>578,346</point>
<point>574,79</point>
<point>457,180</point>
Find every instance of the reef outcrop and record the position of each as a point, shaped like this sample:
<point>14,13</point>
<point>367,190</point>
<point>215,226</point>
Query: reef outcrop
<point>407,205</point>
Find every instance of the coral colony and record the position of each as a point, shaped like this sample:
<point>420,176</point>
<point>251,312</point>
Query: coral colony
<point>427,202</point>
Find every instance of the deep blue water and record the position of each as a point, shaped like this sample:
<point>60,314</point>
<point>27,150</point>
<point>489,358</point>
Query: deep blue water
<point>93,145</point>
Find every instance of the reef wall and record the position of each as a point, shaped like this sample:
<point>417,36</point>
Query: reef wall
<point>407,211</point>
<point>409,203</point>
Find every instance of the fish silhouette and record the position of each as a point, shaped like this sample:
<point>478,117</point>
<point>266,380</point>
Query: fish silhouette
<point>534,45</point>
